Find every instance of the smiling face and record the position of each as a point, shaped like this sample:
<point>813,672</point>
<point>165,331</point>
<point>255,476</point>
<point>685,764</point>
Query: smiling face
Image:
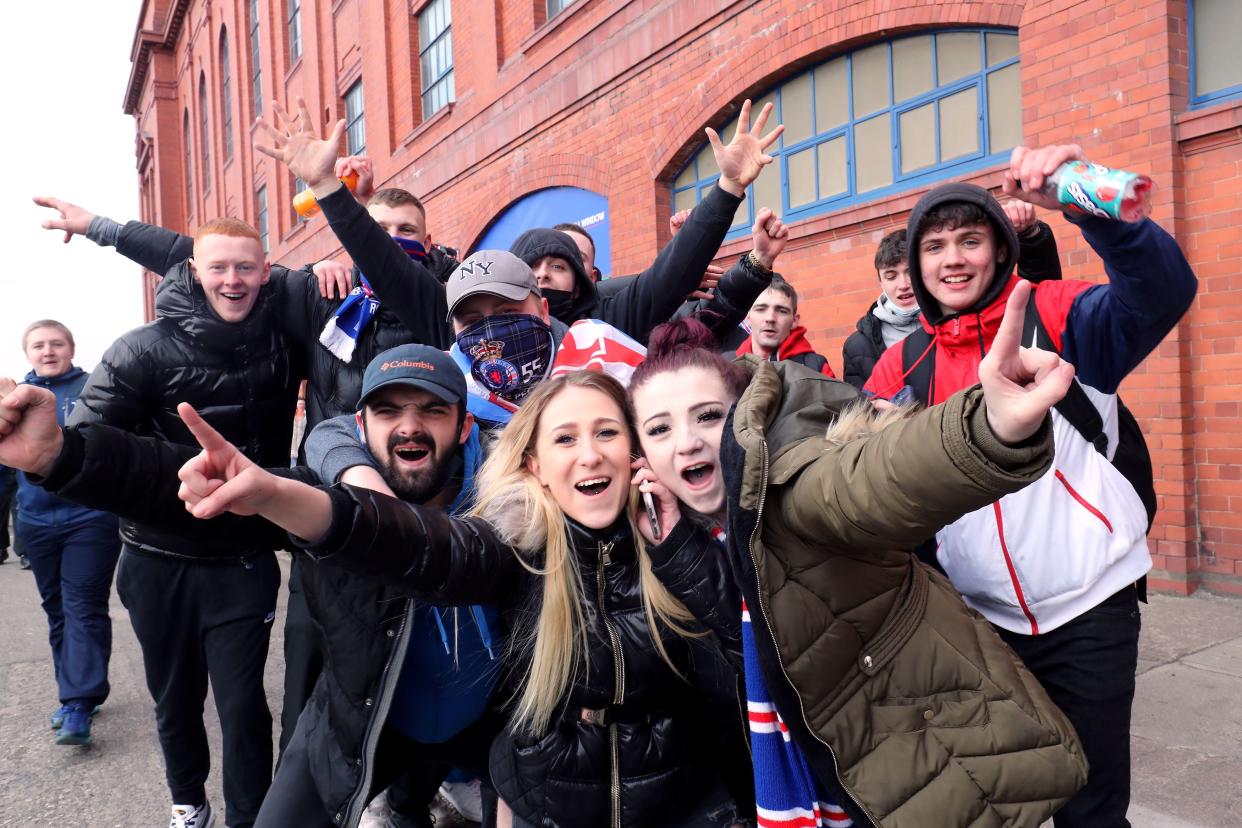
<point>49,350</point>
<point>554,272</point>
<point>231,269</point>
<point>405,220</point>
<point>958,264</point>
<point>681,416</point>
<point>771,319</point>
<point>582,455</point>
<point>413,435</point>
<point>895,282</point>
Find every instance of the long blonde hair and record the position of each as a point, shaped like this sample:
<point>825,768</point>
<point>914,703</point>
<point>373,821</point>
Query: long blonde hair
<point>526,516</point>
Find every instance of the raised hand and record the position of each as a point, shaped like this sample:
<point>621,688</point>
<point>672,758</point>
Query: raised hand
<point>297,145</point>
<point>1028,169</point>
<point>1020,385</point>
<point>768,236</point>
<point>711,278</point>
<point>360,166</point>
<point>30,435</point>
<point>334,278</point>
<point>1021,215</point>
<point>743,158</point>
<point>678,220</point>
<point>668,510</point>
<point>73,219</point>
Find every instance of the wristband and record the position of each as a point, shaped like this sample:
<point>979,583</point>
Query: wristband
<point>753,260</point>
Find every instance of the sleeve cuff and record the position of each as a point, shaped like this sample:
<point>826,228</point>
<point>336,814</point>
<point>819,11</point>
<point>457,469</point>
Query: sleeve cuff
<point>68,463</point>
<point>103,231</point>
<point>990,462</point>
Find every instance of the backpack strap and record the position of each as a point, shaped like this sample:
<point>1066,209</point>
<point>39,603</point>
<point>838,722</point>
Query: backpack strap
<point>919,372</point>
<point>1076,407</point>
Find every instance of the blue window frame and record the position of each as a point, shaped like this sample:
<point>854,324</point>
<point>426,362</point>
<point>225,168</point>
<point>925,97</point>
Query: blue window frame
<point>435,55</point>
<point>256,69</point>
<point>878,120</point>
<point>295,31</point>
<point>1215,60</point>
<point>355,123</point>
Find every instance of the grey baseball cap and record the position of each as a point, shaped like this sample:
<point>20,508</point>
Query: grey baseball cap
<point>421,366</point>
<point>497,272</point>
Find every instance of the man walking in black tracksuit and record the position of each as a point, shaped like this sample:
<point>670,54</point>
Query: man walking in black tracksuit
<point>204,609</point>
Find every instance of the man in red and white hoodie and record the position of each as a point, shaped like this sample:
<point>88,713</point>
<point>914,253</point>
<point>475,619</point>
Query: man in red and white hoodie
<point>1053,566</point>
<point>775,332</point>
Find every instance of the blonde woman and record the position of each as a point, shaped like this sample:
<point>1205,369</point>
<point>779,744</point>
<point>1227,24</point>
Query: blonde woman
<point>609,725</point>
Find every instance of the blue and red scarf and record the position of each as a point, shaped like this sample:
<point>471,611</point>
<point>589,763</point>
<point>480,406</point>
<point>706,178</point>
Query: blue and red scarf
<point>340,335</point>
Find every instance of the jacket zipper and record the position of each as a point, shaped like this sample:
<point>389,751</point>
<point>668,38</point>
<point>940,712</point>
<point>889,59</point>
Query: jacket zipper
<point>618,694</point>
<point>763,612</point>
<point>352,813</point>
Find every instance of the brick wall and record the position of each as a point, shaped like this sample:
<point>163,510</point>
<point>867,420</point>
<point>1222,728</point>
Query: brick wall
<point>612,96</point>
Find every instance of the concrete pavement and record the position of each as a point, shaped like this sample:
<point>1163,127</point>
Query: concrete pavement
<point>1187,743</point>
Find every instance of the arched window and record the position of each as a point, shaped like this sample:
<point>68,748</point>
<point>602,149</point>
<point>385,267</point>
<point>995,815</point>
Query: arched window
<point>226,94</point>
<point>880,119</point>
<point>205,137</point>
<point>189,162</point>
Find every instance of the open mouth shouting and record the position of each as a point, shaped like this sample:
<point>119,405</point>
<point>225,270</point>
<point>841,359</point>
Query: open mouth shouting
<point>412,453</point>
<point>698,475</point>
<point>593,487</point>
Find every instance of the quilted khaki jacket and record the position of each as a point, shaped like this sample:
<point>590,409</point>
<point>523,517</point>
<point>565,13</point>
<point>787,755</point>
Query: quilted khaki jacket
<point>910,709</point>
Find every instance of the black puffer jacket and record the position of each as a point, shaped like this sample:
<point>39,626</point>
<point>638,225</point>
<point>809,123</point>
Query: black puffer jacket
<point>241,377</point>
<point>636,305</point>
<point>301,311</point>
<point>634,742</point>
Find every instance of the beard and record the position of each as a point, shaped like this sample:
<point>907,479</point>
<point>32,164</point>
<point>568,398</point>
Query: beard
<point>416,486</point>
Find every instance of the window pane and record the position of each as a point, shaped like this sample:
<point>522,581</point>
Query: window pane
<point>1218,58</point>
<point>796,110</point>
<point>959,124</point>
<point>918,144</point>
<point>957,55</point>
<point>687,176</point>
<point>1004,109</point>
<point>684,200</point>
<point>801,178</point>
<point>832,102</point>
<point>833,171</point>
<point>768,189</point>
<point>870,79</point>
<point>1001,47</point>
<point>707,159</point>
<point>912,67</point>
<point>873,154</point>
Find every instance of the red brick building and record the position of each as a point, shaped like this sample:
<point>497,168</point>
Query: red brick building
<point>474,106</point>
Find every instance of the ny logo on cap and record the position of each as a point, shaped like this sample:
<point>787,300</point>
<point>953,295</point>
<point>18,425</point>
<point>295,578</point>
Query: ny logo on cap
<point>467,268</point>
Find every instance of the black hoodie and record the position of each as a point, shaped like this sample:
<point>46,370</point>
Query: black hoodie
<point>654,295</point>
<point>1005,235</point>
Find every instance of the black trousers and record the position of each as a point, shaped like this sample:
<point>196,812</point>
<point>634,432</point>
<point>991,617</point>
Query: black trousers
<point>303,657</point>
<point>198,621</point>
<point>1088,666</point>
<point>418,767</point>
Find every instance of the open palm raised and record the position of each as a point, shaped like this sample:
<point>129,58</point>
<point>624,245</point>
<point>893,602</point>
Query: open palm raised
<point>296,144</point>
<point>741,160</point>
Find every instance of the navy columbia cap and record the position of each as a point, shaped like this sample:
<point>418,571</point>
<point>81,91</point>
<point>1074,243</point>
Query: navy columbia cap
<point>421,366</point>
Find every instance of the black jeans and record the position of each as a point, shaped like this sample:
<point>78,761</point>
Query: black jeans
<point>1088,666</point>
<point>200,620</point>
<point>418,767</point>
<point>303,658</point>
<point>8,492</point>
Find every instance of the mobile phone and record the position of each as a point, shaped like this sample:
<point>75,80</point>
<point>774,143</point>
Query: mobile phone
<point>652,515</point>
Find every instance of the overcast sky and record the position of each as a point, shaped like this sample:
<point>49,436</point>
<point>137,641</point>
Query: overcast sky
<point>65,135</point>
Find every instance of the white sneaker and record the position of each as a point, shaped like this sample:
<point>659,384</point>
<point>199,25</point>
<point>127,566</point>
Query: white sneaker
<point>376,814</point>
<point>466,797</point>
<point>189,816</point>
